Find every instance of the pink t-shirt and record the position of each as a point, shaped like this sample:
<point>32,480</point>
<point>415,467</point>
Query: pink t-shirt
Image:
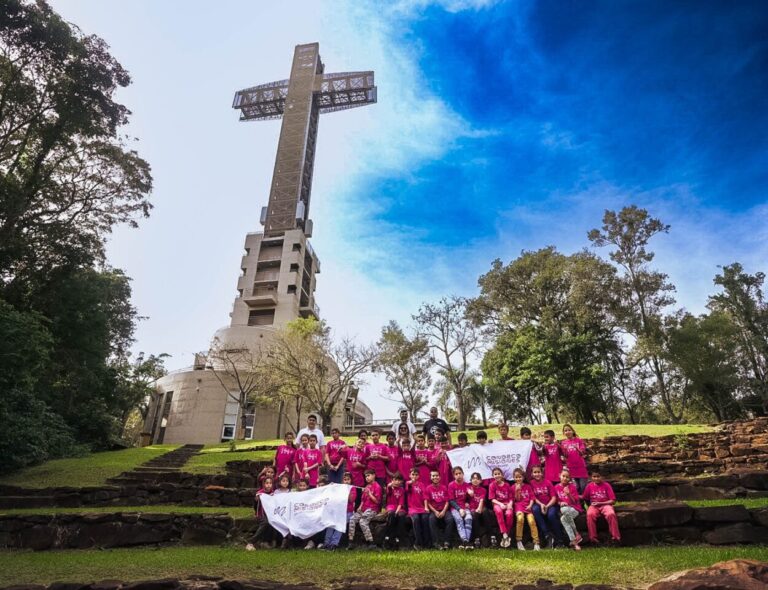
<point>415,496</point>
<point>405,463</point>
<point>598,493</point>
<point>458,493</point>
<point>553,464</point>
<point>543,490</point>
<point>395,498</point>
<point>357,473</point>
<point>437,496</point>
<point>501,492</point>
<point>367,503</point>
<point>284,457</point>
<point>393,453</point>
<point>308,457</point>
<point>568,496</point>
<point>574,449</point>
<point>424,468</point>
<point>351,500</point>
<point>523,497</point>
<point>443,463</point>
<point>533,460</point>
<point>376,457</point>
<point>478,493</point>
<point>335,450</point>
<point>260,510</point>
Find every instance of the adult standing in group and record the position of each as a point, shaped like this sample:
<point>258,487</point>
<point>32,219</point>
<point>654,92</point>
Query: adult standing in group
<point>404,419</point>
<point>434,424</point>
<point>312,429</point>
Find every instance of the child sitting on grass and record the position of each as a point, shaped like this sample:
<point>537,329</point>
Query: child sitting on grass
<point>599,494</point>
<point>500,495</point>
<point>458,495</point>
<point>265,534</point>
<point>417,510</point>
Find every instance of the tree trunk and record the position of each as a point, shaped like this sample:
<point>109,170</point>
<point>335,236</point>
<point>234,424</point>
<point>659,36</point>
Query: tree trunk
<point>280,410</point>
<point>483,416</point>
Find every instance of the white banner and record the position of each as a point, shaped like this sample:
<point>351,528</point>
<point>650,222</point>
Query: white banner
<point>505,454</point>
<point>303,514</point>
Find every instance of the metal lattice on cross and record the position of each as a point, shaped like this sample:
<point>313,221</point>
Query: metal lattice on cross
<point>299,100</point>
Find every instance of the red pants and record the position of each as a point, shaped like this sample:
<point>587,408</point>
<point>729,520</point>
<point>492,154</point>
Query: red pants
<point>505,517</point>
<point>594,512</point>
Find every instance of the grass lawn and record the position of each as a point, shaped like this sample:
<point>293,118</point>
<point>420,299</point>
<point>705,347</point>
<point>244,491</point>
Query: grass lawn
<point>215,462</point>
<point>233,511</point>
<point>748,502</point>
<point>491,568</point>
<point>92,470</point>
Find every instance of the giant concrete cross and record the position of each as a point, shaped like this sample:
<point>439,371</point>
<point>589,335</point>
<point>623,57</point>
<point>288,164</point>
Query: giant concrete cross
<point>299,101</point>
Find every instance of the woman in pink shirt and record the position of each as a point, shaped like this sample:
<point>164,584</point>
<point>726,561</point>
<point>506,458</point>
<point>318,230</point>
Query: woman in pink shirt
<point>599,494</point>
<point>417,510</point>
<point>575,450</point>
<point>524,499</point>
<point>500,495</point>
<point>570,507</point>
<point>284,456</point>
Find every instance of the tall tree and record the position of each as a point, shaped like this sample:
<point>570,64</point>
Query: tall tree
<point>66,176</point>
<point>743,300</point>
<point>405,363</point>
<point>317,369</point>
<point>454,341</point>
<point>645,293</point>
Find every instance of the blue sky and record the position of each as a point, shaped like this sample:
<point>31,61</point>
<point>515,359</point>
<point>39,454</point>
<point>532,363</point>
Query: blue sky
<point>501,126</point>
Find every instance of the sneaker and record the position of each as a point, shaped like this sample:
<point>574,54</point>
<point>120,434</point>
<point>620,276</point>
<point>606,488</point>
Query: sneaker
<point>550,542</point>
<point>578,538</point>
<point>371,546</point>
<point>250,547</point>
<point>536,547</point>
<point>505,541</point>
<point>576,547</point>
<point>310,544</point>
<point>477,543</point>
<point>286,544</point>
<point>386,541</point>
<point>446,546</point>
<point>322,546</point>
<point>520,546</point>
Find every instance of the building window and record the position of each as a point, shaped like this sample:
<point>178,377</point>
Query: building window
<point>291,288</point>
<point>294,267</point>
<point>231,412</point>
<point>297,247</point>
<point>261,317</point>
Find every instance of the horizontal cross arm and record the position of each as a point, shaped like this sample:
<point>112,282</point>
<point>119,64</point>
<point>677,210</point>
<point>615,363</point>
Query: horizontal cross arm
<point>345,90</point>
<point>266,101</point>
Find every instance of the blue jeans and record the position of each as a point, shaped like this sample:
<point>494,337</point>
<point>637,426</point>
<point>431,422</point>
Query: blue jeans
<point>335,476</point>
<point>549,523</point>
<point>332,536</point>
<point>420,524</point>
<point>463,525</point>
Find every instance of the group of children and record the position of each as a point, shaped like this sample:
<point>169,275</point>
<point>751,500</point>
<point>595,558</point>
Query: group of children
<point>436,498</point>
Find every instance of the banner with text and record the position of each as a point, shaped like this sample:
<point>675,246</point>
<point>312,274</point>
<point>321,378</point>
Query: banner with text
<point>508,455</point>
<point>303,514</point>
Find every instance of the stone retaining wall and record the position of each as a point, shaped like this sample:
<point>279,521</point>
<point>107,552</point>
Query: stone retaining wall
<point>641,524</point>
<point>736,484</point>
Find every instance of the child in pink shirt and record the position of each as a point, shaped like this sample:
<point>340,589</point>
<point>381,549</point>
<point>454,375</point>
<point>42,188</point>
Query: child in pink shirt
<point>284,456</point>
<point>545,509</point>
<point>298,467</point>
<point>396,512</point>
<point>417,511</point>
<point>575,450</point>
<point>393,455</point>
<point>570,507</point>
<point>524,499</point>
<point>405,459</point>
<point>369,507</point>
<point>442,446</point>
<point>500,495</point>
<point>423,460</point>
<point>599,494</point>
<point>437,504</point>
<point>332,536</point>
<point>264,531</point>
<point>458,498</point>
<point>477,494</point>
<point>356,463</point>
<point>534,459</point>
<point>376,457</point>
<point>310,461</point>
<point>553,458</point>
<point>335,450</point>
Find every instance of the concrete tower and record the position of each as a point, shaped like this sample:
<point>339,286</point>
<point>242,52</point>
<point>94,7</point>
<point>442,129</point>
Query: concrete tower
<point>277,280</point>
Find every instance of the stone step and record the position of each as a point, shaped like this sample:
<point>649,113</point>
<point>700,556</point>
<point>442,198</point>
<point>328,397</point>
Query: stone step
<point>26,502</point>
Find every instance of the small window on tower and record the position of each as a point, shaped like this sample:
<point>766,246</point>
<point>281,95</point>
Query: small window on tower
<point>291,288</point>
<point>297,247</point>
<point>294,267</point>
